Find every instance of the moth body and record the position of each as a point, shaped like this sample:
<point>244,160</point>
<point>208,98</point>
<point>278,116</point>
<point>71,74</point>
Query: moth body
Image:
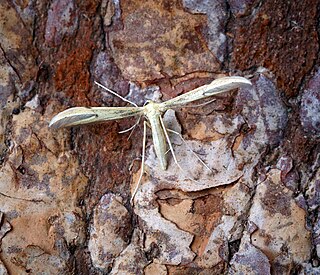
<point>153,114</point>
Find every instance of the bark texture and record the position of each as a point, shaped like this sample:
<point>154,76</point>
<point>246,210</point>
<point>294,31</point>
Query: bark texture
<point>64,195</point>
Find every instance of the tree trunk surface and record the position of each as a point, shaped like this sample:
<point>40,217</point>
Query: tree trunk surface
<point>253,208</point>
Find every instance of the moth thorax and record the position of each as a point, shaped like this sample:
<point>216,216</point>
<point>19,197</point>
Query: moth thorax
<point>152,109</point>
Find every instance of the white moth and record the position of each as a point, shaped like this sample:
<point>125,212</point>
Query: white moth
<point>152,111</point>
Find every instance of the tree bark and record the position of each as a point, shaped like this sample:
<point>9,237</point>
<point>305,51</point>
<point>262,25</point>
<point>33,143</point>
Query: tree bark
<point>65,194</point>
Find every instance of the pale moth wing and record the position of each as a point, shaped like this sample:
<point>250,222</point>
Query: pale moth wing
<point>217,86</point>
<point>88,115</point>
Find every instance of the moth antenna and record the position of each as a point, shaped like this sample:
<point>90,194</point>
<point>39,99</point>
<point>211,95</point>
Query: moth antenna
<point>114,93</point>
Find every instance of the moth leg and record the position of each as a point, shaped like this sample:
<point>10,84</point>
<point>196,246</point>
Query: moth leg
<point>134,126</point>
<point>169,142</point>
<point>131,128</point>
<point>171,149</point>
<point>196,155</point>
<point>142,161</point>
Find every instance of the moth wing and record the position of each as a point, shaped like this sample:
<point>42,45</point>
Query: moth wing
<point>217,86</point>
<point>88,115</point>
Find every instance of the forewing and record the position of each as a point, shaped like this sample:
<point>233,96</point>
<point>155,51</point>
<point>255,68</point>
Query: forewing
<point>87,115</point>
<point>217,86</point>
